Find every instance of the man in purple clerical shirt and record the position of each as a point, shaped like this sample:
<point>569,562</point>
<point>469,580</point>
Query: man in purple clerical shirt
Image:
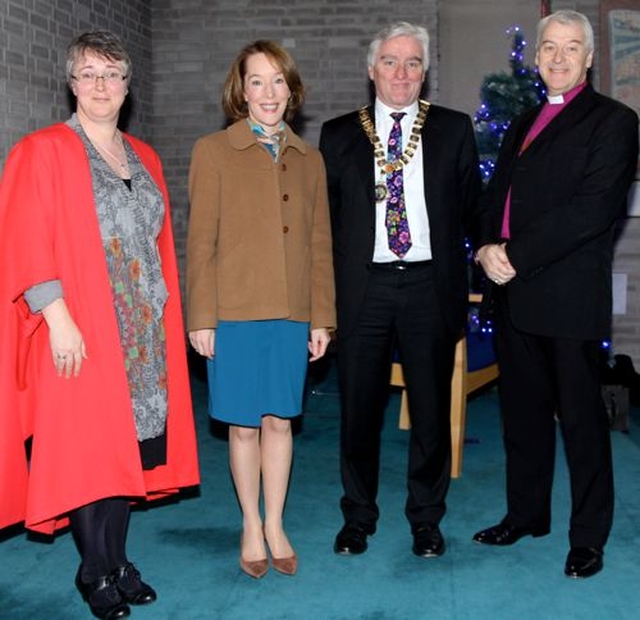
<point>545,237</point>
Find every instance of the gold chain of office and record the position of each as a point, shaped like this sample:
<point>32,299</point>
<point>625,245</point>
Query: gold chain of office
<point>378,151</point>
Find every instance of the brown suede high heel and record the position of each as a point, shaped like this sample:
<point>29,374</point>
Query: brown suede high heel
<point>286,566</point>
<point>254,568</point>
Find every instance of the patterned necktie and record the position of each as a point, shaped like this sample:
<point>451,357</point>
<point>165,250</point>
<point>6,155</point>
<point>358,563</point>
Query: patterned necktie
<point>398,233</point>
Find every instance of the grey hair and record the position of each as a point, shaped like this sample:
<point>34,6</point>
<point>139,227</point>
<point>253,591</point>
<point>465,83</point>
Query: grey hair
<point>101,43</point>
<point>400,29</point>
<point>567,17</point>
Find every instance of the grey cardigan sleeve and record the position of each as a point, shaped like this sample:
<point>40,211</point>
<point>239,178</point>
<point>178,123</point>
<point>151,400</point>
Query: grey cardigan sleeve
<point>40,295</point>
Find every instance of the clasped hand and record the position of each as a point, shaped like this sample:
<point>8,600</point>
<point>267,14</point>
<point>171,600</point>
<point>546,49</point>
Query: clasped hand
<point>495,263</point>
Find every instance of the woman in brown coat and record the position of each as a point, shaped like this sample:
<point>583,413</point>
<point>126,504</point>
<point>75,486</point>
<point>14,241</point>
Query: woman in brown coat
<point>259,284</point>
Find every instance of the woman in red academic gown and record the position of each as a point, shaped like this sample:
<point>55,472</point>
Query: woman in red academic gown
<point>92,362</point>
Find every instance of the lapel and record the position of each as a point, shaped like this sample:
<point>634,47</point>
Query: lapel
<point>428,133</point>
<point>363,156</point>
<point>572,114</point>
<point>434,143</point>
<point>509,151</point>
<point>521,129</point>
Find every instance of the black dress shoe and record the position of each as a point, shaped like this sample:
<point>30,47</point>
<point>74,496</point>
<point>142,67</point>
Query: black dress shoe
<point>103,597</point>
<point>505,534</point>
<point>351,539</point>
<point>583,562</point>
<point>132,589</point>
<point>428,541</point>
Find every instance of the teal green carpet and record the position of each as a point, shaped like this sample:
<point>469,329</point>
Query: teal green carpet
<point>188,550</point>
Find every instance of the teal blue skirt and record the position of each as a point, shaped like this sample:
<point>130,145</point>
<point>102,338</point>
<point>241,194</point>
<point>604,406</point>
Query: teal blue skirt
<point>258,369</point>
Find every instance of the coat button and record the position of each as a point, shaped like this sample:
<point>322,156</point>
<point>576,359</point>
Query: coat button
<point>285,229</point>
<point>285,197</point>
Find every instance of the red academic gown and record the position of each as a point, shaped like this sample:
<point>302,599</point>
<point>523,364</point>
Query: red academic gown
<point>84,444</point>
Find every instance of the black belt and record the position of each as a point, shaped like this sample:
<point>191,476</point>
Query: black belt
<point>401,265</point>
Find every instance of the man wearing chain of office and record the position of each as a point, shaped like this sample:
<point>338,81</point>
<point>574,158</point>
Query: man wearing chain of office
<point>403,183</point>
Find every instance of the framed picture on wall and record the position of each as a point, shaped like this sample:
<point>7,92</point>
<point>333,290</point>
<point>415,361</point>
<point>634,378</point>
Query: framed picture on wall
<point>620,63</point>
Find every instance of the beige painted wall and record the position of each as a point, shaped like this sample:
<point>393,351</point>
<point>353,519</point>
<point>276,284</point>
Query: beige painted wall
<point>474,42</point>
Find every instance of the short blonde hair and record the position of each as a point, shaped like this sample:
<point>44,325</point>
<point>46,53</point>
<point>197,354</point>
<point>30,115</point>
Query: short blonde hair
<point>233,100</point>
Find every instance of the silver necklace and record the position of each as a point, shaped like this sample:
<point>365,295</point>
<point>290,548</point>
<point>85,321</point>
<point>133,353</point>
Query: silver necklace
<point>122,164</point>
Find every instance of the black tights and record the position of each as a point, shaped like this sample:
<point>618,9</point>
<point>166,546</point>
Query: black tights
<point>100,531</point>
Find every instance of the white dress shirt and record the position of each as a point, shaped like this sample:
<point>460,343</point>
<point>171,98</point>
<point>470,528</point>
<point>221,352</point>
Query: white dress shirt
<point>414,198</point>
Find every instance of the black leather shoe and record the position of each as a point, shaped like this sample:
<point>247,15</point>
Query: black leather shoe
<point>351,539</point>
<point>132,589</point>
<point>505,534</point>
<point>583,562</point>
<point>428,541</point>
<point>103,597</point>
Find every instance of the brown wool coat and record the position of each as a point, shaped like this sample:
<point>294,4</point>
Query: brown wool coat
<point>259,240</point>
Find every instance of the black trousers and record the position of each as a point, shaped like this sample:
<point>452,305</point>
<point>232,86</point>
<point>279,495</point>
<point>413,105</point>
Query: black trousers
<point>543,379</point>
<point>401,310</point>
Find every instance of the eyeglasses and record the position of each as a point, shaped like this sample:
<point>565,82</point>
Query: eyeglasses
<point>111,77</point>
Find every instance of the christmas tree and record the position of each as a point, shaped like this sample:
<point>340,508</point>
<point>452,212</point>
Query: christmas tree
<point>504,96</point>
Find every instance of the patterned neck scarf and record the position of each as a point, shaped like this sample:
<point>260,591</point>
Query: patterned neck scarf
<point>273,143</point>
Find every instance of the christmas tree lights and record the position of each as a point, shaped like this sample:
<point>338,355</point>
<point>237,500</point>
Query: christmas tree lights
<point>504,96</point>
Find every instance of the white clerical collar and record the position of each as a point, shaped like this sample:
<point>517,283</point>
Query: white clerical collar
<point>566,97</point>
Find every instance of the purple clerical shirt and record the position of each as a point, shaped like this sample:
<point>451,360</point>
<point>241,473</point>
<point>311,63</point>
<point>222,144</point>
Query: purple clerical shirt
<point>552,107</point>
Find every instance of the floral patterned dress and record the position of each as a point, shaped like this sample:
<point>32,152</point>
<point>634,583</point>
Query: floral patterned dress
<point>130,215</point>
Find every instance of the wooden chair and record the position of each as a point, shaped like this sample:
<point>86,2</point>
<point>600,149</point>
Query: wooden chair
<point>463,383</point>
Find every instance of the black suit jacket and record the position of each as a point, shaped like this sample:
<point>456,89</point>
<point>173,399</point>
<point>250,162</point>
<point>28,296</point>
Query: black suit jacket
<point>452,186</point>
<point>567,190</point>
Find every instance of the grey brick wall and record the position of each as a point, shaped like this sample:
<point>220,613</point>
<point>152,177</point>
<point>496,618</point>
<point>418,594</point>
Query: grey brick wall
<point>34,35</point>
